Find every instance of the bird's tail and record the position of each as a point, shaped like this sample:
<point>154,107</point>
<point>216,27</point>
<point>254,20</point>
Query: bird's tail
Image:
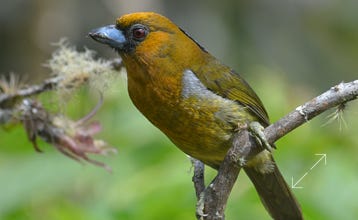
<point>275,194</point>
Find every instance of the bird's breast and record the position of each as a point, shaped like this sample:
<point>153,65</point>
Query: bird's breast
<point>197,120</point>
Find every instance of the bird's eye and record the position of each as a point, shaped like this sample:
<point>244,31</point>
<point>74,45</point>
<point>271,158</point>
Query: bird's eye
<point>139,33</point>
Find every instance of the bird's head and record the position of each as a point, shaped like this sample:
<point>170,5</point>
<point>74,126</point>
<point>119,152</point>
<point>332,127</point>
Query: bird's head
<point>148,36</point>
<point>131,30</point>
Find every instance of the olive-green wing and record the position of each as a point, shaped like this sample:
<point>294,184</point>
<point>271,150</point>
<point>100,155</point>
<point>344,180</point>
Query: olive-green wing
<point>223,81</point>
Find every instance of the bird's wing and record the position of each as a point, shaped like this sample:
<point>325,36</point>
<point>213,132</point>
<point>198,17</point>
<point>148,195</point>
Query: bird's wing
<point>225,82</point>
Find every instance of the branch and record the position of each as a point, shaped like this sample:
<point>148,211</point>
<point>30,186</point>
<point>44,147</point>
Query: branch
<point>8,101</point>
<point>49,84</point>
<point>337,95</point>
<point>212,201</point>
<point>198,177</point>
<point>72,138</point>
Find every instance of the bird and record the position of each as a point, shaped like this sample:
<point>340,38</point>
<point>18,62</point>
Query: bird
<point>198,102</point>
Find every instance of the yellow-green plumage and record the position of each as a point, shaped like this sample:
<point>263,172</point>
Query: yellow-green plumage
<point>197,101</point>
<point>200,126</point>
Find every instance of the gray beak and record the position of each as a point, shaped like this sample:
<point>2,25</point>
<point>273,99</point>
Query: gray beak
<point>109,35</point>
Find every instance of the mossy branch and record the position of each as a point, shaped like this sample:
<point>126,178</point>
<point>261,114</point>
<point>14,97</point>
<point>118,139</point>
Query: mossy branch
<point>70,69</point>
<point>213,198</point>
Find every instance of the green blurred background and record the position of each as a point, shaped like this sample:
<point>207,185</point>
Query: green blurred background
<point>289,51</point>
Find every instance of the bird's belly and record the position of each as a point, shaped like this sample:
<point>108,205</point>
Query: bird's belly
<point>200,125</point>
<point>201,128</point>
<point>204,129</point>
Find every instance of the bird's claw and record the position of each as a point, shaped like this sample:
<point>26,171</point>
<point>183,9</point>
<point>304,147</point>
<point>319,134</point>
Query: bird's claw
<point>257,130</point>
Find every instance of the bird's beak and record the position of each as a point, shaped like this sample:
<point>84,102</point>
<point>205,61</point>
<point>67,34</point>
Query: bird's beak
<point>109,35</point>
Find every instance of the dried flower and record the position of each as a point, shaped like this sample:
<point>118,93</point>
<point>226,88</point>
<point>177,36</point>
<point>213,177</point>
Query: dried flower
<point>73,139</point>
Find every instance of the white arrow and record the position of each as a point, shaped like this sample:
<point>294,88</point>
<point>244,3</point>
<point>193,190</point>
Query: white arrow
<point>294,185</point>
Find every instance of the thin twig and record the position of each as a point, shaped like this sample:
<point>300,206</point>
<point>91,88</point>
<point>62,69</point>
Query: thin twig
<point>341,93</point>
<point>48,84</point>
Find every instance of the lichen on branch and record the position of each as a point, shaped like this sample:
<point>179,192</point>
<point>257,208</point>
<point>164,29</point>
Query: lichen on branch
<point>70,70</point>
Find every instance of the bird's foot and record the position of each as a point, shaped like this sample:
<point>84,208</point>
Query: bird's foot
<point>257,130</point>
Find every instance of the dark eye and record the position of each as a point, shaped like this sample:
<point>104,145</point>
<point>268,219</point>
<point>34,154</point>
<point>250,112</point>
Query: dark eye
<point>139,33</point>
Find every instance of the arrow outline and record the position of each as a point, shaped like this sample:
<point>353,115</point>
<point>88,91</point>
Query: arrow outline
<point>294,186</point>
